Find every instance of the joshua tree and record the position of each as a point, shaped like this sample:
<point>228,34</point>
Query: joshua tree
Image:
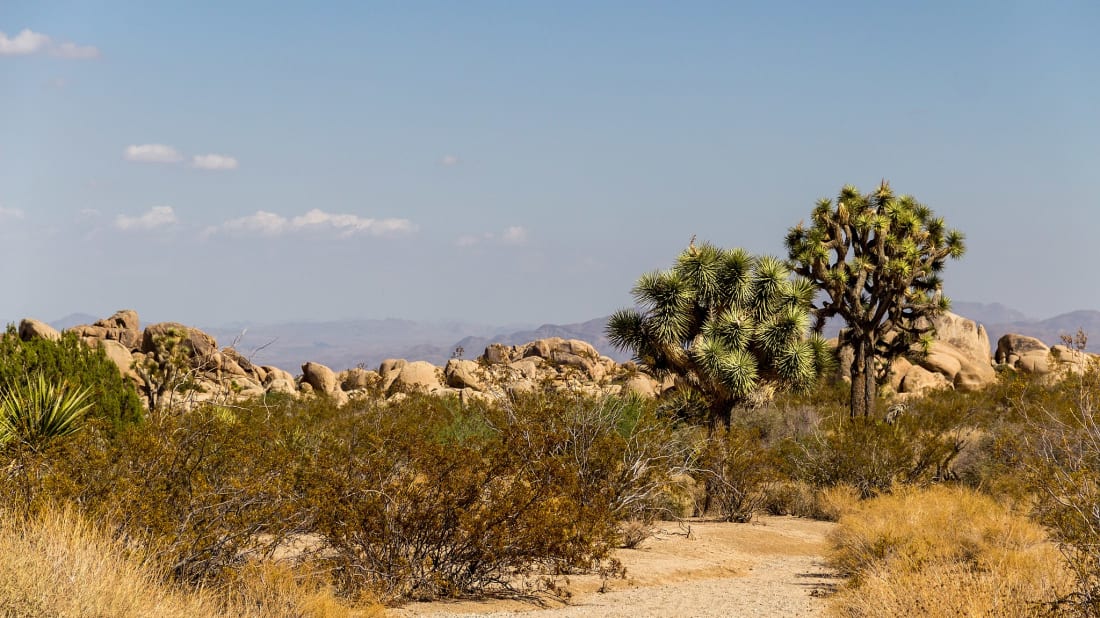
<point>727,325</point>
<point>877,259</point>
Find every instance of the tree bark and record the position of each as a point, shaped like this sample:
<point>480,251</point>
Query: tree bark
<point>863,380</point>
<point>870,384</point>
<point>721,415</point>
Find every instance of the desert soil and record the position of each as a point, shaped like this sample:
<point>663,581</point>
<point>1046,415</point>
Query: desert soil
<point>772,567</point>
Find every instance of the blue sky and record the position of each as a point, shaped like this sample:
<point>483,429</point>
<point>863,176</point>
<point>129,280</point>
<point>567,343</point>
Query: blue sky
<point>509,162</point>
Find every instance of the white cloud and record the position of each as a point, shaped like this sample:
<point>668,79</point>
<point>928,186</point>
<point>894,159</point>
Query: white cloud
<point>266,223</point>
<point>272,224</point>
<point>152,153</point>
<point>450,160</point>
<point>214,162</point>
<point>28,42</point>
<point>514,235</point>
<point>10,213</point>
<point>157,216</point>
<point>23,44</point>
<point>74,51</point>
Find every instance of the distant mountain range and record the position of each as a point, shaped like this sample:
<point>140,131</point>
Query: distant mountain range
<point>350,343</point>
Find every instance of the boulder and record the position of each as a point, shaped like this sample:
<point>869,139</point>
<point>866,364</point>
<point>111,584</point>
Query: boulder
<point>87,331</point>
<point>357,378</point>
<point>30,329</point>
<point>963,371</point>
<point>530,368</point>
<point>463,374</point>
<point>281,385</point>
<point>199,345</point>
<point>556,349</point>
<point>124,327</point>
<point>918,380</point>
<point>1067,359</point>
<point>1011,347</point>
<point>965,335</point>
<point>235,363</point>
<point>898,369</point>
<point>119,354</point>
<point>642,385</point>
<point>320,377</point>
<point>389,370</point>
<point>498,353</point>
<point>417,376</point>
<point>274,373</point>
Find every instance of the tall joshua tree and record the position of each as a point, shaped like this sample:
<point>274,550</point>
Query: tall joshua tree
<point>877,258</point>
<point>726,324</point>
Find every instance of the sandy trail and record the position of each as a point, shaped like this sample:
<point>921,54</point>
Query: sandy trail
<point>772,567</point>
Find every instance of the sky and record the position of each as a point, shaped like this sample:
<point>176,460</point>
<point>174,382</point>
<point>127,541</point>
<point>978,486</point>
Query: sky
<point>504,162</point>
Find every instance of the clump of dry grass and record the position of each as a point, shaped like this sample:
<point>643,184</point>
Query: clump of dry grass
<point>56,564</point>
<point>943,551</point>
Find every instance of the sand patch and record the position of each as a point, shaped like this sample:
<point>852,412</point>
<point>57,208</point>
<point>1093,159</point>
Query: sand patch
<point>772,567</point>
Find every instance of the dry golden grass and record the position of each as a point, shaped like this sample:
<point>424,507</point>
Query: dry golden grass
<point>943,551</point>
<point>56,564</point>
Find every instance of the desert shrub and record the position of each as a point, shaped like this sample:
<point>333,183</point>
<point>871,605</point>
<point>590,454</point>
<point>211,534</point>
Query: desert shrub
<point>72,363</point>
<point>201,492</point>
<point>420,498</point>
<point>942,551</point>
<point>1060,451</point>
<point>737,470</point>
<point>536,490</point>
<point>871,456</point>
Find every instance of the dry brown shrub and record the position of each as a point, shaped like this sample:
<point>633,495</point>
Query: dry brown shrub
<point>942,551</point>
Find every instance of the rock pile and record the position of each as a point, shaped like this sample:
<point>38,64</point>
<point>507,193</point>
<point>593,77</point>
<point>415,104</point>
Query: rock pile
<point>959,358</point>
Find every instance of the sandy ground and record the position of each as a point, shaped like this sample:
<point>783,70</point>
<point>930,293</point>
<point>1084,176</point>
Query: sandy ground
<point>772,567</point>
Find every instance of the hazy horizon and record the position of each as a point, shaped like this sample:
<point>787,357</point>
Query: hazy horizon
<point>497,163</point>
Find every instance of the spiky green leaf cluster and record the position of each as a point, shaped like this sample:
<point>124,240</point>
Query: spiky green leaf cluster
<point>723,322</point>
<point>37,411</point>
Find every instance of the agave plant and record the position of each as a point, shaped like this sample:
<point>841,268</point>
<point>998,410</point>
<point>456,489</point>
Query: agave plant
<point>36,411</point>
<point>730,326</point>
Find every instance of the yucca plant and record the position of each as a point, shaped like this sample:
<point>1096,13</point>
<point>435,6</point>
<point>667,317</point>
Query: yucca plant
<point>729,326</point>
<point>37,411</point>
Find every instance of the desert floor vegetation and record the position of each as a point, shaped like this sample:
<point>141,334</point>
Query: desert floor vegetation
<point>975,502</point>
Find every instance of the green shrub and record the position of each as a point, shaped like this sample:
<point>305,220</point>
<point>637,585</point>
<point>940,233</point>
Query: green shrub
<point>69,361</point>
<point>426,498</point>
<point>737,471</point>
<point>871,456</point>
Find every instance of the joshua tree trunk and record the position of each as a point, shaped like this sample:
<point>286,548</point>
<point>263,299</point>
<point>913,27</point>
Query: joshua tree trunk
<point>721,411</point>
<point>863,380</point>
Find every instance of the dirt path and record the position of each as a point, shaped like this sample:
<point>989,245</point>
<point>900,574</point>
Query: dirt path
<point>769,568</point>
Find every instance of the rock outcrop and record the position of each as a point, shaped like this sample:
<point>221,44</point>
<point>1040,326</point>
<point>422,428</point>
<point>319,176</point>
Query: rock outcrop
<point>30,328</point>
<point>959,355</point>
<point>1029,355</point>
<point>959,358</point>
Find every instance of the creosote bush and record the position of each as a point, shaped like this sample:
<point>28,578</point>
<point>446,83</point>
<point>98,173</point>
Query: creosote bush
<point>420,498</point>
<point>496,496</point>
<point>1060,451</point>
